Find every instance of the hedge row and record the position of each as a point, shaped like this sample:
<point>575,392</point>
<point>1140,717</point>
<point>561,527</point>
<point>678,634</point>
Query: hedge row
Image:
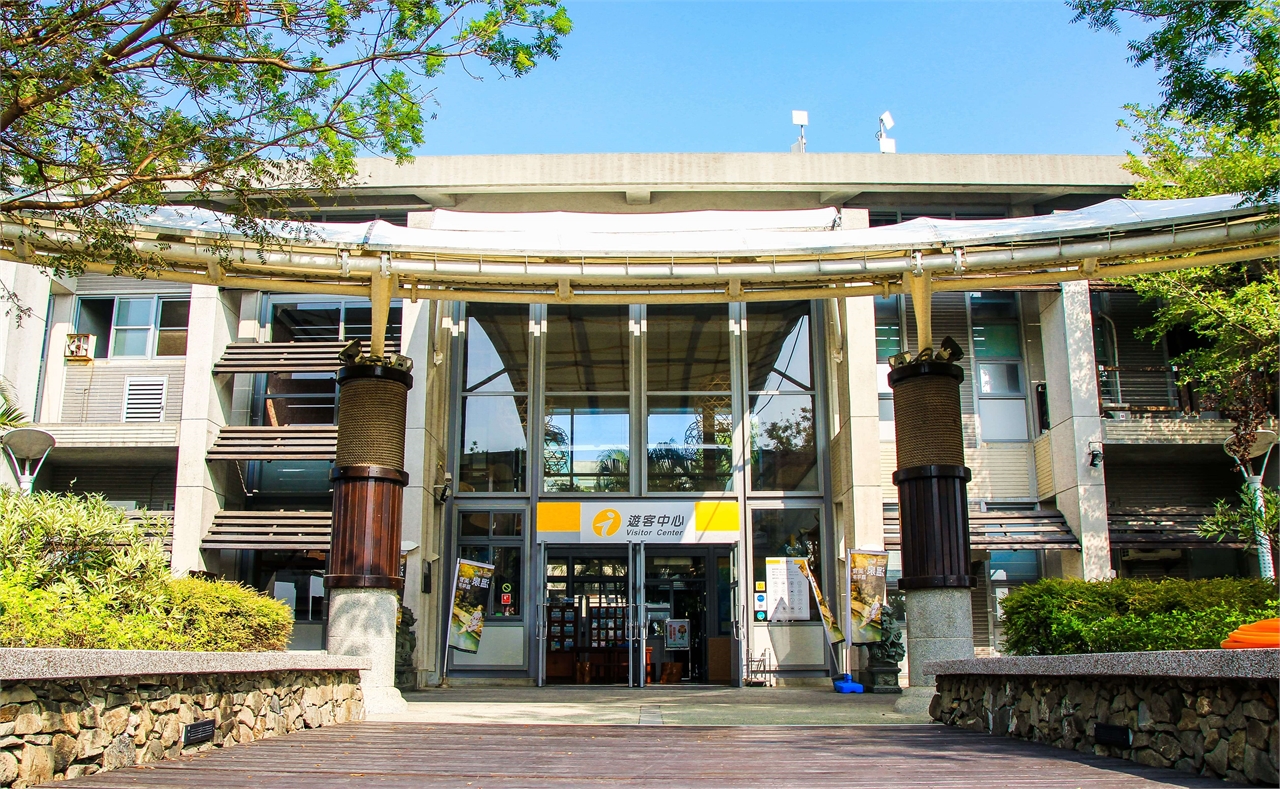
<point>1062,617</point>
<point>76,572</point>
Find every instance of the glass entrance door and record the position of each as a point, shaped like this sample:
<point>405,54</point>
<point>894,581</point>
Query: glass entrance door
<point>586,614</point>
<point>675,596</point>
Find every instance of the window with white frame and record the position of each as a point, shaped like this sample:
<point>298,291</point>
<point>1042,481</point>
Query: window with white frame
<point>888,312</point>
<point>1000,382</point>
<point>138,327</point>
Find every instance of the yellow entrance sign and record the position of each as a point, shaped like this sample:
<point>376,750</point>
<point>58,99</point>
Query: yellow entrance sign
<point>678,522</point>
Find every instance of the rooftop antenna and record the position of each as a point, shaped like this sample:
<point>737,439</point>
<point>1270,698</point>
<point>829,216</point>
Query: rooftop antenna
<point>799,118</point>
<point>887,143</point>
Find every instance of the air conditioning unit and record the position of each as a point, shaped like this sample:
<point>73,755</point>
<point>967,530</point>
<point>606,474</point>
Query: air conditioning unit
<point>79,347</point>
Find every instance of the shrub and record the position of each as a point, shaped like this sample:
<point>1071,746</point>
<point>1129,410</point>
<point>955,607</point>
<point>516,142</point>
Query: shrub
<point>1062,617</point>
<point>76,572</point>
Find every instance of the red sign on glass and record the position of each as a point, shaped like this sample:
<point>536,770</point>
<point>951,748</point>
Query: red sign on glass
<point>506,599</point>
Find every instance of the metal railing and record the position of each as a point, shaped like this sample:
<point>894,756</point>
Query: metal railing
<point>1138,390</point>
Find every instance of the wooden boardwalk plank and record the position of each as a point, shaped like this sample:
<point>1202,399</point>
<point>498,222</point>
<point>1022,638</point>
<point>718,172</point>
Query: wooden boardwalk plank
<point>663,757</point>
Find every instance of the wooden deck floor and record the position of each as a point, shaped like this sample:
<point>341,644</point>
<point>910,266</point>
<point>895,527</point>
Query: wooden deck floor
<point>491,756</point>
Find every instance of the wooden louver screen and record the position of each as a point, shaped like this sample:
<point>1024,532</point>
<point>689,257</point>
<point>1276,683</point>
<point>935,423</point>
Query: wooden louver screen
<point>291,442</point>
<point>280,357</point>
<point>269,531</point>
<point>144,398</point>
<point>1003,531</point>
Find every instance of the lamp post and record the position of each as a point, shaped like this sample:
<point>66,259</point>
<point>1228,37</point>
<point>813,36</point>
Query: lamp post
<point>25,445</point>
<point>1262,446</point>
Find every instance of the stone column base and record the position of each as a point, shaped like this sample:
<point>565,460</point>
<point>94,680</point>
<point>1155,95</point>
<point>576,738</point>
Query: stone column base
<point>363,622</point>
<point>939,627</point>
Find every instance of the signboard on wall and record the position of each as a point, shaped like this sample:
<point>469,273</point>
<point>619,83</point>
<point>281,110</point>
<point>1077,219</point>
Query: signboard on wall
<point>471,587</point>
<point>677,634</point>
<point>613,522</point>
<point>786,589</point>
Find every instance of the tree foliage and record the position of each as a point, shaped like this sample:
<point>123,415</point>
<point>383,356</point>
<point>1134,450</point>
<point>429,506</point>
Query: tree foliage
<point>1219,61</point>
<point>1246,523</point>
<point>107,104</point>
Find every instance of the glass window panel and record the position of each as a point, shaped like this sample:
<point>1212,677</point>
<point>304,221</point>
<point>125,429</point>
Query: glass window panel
<point>778,346</point>
<point>473,524</point>
<point>294,476</point>
<point>999,379</point>
<point>784,455</point>
<point>131,342</point>
<point>497,348</point>
<point>586,444</point>
<point>689,445</point>
<point>475,553</point>
<point>506,581</point>
<point>993,306</point>
<point>688,348</point>
<point>1015,566</point>
<point>1003,419</point>
<point>507,524</point>
<point>886,409</point>
<point>306,321</point>
<point>171,342</point>
<point>888,326</point>
<point>300,399</point>
<point>996,340</point>
<point>587,349</point>
<point>174,313</point>
<point>792,532</point>
<point>494,447</point>
<point>358,317</point>
<point>134,312</point>
<point>94,317</point>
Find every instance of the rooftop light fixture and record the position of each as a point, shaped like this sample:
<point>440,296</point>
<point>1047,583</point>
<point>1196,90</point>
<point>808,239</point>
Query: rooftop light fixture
<point>887,143</point>
<point>799,118</point>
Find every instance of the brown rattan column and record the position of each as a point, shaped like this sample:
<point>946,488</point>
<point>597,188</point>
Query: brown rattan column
<point>363,578</point>
<point>369,478</point>
<point>933,510</point>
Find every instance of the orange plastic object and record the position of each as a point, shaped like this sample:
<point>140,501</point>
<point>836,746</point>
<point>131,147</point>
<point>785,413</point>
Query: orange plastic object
<point>1259,635</point>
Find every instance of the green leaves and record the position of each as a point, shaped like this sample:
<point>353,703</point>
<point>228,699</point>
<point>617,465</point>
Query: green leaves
<point>1062,617</point>
<point>1219,62</point>
<point>77,572</point>
<point>258,104</point>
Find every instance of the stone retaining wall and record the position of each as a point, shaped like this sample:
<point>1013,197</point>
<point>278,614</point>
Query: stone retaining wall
<point>64,727</point>
<point>1225,727</point>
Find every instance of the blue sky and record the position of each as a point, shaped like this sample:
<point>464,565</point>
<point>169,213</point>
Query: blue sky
<point>959,77</point>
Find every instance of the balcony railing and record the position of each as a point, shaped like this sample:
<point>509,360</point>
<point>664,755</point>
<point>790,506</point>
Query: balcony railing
<point>1141,390</point>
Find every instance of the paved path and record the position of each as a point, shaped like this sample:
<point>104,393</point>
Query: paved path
<point>659,704</point>
<point>560,757</point>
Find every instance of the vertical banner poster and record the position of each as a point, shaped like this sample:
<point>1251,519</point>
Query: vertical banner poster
<point>677,634</point>
<point>828,621</point>
<point>786,589</point>
<point>867,594</point>
<point>471,587</point>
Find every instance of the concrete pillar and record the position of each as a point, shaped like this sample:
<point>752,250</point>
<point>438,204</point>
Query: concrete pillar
<point>54,379</point>
<point>206,403</point>
<point>1076,427</point>
<point>415,342</point>
<point>363,622</point>
<point>863,425</point>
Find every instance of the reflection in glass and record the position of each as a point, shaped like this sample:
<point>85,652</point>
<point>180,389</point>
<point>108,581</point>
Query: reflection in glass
<point>358,317</point>
<point>504,592</point>
<point>778,356</point>
<point>587,349</point>
<point>784,454</point>
<point>792,532</point>
<point>315,321</point>
<point>294,476</point>
<point>586,444</point>
<point>473,524</point>
<point>688,348</point>
<point>172,338</point>
<point>494,448</point>
<point>996,340</point>
<point>497,348</point>
<point>690,443</point>
<point>888,326</point>
<point>300,399</point>
<point>999,379</point>
<point>507,524</point>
